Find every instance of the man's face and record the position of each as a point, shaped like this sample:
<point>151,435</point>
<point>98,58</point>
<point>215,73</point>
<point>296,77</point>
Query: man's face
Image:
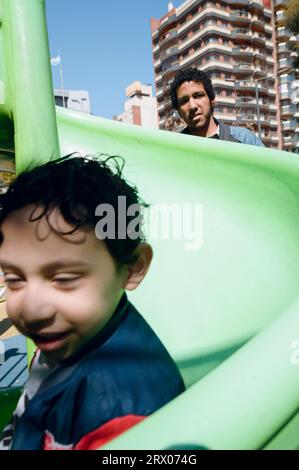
<point>61,290</point>
<point>194,106</point>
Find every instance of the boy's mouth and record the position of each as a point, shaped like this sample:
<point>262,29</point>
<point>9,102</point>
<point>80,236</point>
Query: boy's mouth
<point>50,341</point>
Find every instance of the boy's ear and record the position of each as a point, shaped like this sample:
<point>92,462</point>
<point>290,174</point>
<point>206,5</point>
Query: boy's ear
<point>138,269</point>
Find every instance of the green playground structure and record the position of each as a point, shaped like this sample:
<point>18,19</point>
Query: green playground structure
<point>223,295</point>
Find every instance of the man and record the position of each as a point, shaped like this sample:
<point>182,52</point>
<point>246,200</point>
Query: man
<point>193,95</point>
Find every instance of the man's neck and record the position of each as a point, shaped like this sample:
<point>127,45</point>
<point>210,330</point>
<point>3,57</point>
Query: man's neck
<point>211,129</point>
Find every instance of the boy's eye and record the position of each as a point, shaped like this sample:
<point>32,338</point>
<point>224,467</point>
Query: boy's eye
<point>66,279</point>
<point>12,281</point>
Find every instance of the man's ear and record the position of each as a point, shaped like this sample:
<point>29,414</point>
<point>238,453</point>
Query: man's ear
<point>212,104</point>
<point>137,270</point>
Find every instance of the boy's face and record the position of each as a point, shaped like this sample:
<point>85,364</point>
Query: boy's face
<point>61,290</point>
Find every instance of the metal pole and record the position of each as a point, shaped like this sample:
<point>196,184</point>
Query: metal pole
<point>258,110</point>
<point>61,78</point>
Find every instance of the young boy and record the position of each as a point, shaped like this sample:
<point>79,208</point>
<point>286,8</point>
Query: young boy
<point>99,368</point>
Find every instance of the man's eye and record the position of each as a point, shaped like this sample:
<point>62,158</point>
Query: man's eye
<point>183,101</point>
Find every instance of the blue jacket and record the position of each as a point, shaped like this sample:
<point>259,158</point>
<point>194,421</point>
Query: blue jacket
<point>119,377</point>
<point>234,134</point>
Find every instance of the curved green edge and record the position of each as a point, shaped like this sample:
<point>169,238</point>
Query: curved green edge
<point>228,310</point>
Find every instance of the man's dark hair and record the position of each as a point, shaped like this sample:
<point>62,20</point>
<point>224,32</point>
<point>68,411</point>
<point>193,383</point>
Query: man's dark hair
<point>190,75</point>
<point>76,186</point>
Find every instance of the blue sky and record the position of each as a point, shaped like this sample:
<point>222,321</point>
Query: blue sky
<point>105,45</point>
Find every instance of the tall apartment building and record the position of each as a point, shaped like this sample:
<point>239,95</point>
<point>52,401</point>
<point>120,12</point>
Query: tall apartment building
<point>288,80</point>
<point>141,107</point>
<point>234,42</point>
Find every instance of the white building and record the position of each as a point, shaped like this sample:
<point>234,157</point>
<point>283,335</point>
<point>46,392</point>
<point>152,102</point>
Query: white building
<point>141,107</point>
<point>77,100</point>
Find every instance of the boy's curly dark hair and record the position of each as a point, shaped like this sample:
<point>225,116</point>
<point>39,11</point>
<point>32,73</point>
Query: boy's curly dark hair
<point>190,75</point>
<point>76,186</point>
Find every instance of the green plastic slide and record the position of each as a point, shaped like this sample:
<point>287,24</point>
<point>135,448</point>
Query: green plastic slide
<point>223,289</point>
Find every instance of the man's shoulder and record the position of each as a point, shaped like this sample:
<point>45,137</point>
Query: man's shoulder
<point>245,136</point>
<point>185,131</point>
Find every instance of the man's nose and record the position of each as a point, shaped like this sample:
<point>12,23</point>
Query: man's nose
<point>192,103</point>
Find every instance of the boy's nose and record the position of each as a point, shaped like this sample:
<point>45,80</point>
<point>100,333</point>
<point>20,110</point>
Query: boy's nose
<point>38,318</point>
<point>36,308</point>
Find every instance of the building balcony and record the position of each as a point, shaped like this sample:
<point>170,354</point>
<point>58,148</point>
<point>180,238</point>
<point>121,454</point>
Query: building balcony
<point>279,3</point>
<point>241,34</point>
<point>246,85</point>
<point>259,40</point>
<point>268,28</point>
<point>157,65</point>
<point>223,83</point>
<point>209,49</point>
<point>290,125</point>
<point>207,30</point>
<point>243,69</point>
<point>206,12</point>
<point>279,18</point>
<point>284,47</point>
<point>264,105</point>
<point>259,56</point>
<point>257,25</point>
<point>266,137</point>
<point>274,135</point>
<point>239,52</point>
<point>167,105</point>
<point>159,93</point>
<point>240,18</point>
<point>240,3</point>
<point>162,122</point>
<point>172,68</point>
<point>155,34</point>
<point>283,33</point>
<point>289,141</point>
<point>158,78</point>
<point>156,49</point>
<point>259,72</point>
<point>255,5</point>
<point>216,65</point>
<point>243,102</point>
<point>166,23</point>
<point>285,63</point>
<point>285,95</point>
<point>245,117</point>
<point>170,36</point>
<point>168,53</point>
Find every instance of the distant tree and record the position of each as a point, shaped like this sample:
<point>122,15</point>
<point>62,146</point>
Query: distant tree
<point>292,16</point>
<point>292,23</point>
